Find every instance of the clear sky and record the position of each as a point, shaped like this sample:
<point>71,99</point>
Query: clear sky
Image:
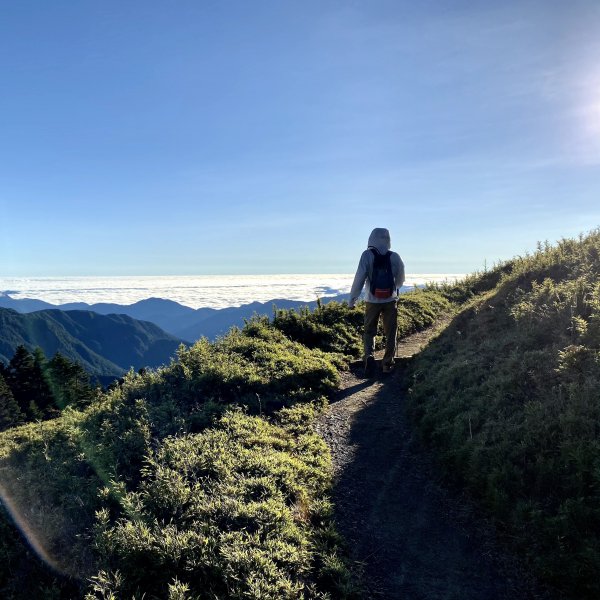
<point>216,136</point>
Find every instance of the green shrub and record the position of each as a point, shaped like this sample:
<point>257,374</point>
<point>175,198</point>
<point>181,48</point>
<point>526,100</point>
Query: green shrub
<point>419,309</point>
<point>509,396</point>
<point>111,458</point>
<point>331,327</point>
<point>475,284</point>
<point>232,512</point>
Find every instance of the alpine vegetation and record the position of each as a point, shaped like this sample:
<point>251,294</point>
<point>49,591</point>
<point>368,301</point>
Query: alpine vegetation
<point>200,479</point>
<point>509,395</point>
<point>203,478</point>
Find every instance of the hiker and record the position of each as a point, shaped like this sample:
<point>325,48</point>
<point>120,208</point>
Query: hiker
<point>383,270</point>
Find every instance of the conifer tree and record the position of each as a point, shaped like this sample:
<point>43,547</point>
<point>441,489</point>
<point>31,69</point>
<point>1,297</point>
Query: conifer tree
<point>42,392</point>
<point>10,415</point>
<point>27,381</point>
<point>19,378</point>
<point>70,382</point>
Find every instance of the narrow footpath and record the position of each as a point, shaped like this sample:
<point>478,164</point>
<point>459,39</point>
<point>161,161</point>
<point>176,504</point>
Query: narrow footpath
<point>413,537</point>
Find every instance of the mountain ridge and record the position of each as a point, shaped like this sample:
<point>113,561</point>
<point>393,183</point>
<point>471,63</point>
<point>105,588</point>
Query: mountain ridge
<point>176,319</point>
<point>105,345</point>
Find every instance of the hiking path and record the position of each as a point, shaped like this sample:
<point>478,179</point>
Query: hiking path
<point>412,536</point>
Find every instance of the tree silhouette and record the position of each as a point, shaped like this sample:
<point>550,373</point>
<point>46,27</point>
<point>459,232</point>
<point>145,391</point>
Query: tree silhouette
<point>10,414</point>
<point>70,382</point>
<point>42,392</point>
<point>27,381</point>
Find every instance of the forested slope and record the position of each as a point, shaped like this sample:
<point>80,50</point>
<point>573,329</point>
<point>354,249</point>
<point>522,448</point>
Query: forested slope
<point>105,345</point>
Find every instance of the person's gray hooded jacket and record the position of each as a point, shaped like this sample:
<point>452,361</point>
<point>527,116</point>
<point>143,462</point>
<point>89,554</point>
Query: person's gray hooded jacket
<point>379,239</point>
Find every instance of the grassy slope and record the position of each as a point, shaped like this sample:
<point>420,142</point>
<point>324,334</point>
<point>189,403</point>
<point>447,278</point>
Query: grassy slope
<point>165,487</point>
<point>166,475</point>
<point>97,461</point>
<point>509,395</point>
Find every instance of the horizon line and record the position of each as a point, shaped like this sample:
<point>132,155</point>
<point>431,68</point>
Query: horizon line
<point>216,275</point>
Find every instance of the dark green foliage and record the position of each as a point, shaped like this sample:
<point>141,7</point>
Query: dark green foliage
<point>19,376</point>
<point>42,388</point>
<point>69,382</point>
<point>10,413</point>
<point>25,377</point>
<point>510,396</point>
<point>332,327</point>
<point>41,391</point>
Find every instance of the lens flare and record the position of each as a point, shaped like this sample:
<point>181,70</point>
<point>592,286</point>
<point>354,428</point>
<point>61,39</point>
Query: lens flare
<point>30,532</point>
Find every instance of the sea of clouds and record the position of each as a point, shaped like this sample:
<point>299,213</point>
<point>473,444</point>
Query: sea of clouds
<point>215,291</point>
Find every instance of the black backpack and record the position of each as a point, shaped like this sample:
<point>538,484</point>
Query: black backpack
<point>382,278</point>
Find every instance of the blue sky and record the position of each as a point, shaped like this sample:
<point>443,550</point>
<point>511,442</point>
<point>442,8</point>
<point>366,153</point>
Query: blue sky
<point>199,137</point>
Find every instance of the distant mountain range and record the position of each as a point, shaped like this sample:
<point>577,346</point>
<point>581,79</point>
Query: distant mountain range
<point>108,339</point>
<point>105,345</point>
<point>180,321</point>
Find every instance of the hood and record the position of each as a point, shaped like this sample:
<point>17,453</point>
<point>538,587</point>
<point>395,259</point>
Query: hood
<point>380,239</point>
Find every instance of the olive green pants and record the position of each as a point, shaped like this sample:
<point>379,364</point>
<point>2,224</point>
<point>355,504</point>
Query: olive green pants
<point>390,328</point>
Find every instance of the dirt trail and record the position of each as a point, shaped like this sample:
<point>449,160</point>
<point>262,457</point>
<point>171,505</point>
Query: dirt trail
<point>416,539</point>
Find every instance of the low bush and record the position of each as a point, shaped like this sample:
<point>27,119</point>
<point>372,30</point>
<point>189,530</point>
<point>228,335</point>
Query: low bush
<point>509,396</point>
<point>419,309</point>
<point>267,512</point>
<point>237,511</point>
<point>331,327</point>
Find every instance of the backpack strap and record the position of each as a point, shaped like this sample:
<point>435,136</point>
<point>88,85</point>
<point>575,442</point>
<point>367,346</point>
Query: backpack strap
<point>376,255</point>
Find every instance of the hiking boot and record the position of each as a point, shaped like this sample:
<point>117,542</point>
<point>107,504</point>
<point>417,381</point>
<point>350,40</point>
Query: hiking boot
<point>370,366</point>
<point>387,369</point>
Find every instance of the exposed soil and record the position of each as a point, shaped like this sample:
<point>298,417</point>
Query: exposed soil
<point>414,537</point>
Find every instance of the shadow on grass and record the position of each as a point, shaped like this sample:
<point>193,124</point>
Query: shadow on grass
<point>415,538</point>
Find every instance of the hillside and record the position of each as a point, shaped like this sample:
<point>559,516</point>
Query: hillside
<point>106,346</point>
<point>509,397</point>
<point>208,476</point>
<point>166,484</point>
<point>181,321</point>
<point>166,459</point>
